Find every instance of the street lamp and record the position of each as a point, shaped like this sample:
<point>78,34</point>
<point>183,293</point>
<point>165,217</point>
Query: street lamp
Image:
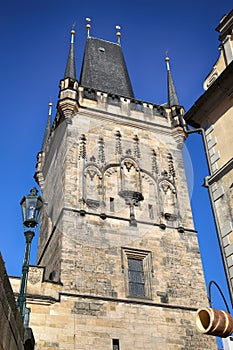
<point>31,206</point>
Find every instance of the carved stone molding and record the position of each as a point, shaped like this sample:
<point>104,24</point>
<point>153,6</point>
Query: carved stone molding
<point>35,275</point>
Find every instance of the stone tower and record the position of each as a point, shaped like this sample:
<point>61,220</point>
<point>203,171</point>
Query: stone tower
<point>118,260</point>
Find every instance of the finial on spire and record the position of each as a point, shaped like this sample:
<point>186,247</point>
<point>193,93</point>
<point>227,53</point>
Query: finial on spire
<point>167,59</point>
<point>72,32</point>
<point>50,107</point>
<point>88,26</point>
<point>118,34</point>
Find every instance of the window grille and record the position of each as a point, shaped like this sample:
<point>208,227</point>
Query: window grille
<point>136,278</point>
<point>138,271</point>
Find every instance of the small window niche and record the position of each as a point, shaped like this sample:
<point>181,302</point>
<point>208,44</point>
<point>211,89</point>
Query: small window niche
<point>111,204</point>
<point>151,211</point>
<point>115,344</point>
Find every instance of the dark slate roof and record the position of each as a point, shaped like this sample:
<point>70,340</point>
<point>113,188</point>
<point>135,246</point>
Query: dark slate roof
<point>47,132</point>
<point>104,68</point>
<point>172,95</point>
<point>70,71</point>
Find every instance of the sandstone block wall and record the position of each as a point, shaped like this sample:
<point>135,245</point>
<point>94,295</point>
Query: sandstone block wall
<point>113,181</point>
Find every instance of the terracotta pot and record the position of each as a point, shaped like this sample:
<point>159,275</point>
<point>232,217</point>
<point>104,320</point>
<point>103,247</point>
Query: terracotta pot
<point>214,322</point>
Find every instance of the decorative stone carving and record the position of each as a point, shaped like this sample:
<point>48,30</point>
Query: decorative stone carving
<point>110,171</point>
<point>137,153</point>
<point>128,164</point>
<point>167,186</point>
<point>91,171</point>
<point>92,186</point>
<point>68,107</point>
<point>171,168</point>
<point>168,199</point>
<point>35,275</point>
<point>82,147</point>
<point>155,168</point>
<point>92,159</point>
<point>101,154</point>
<point>118,146</point>
<point>131,197</point>
<point>130,175</point>
<point>94,204</point>
<point>130,186</point>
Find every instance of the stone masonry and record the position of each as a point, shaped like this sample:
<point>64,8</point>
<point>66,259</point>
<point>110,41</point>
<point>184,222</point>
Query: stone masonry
<point>118,263</point>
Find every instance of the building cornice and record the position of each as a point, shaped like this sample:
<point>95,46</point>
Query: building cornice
<point>225,25</point>
<point>221,89</point>
<point>47,300</point>
<point>210,180</point>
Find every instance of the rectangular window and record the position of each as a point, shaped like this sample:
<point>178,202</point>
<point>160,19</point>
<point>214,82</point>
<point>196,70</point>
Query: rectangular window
<point>112,204</point>
<point>151,212</point>
<point>137,268</point>
<point>115,344</point>
<point>136,278</point>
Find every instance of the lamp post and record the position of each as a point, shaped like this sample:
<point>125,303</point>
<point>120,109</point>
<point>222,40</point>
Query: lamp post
<point>221,293</point>
<point>31,207</point>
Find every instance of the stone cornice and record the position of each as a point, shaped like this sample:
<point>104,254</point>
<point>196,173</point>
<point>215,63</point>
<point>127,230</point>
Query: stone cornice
<point>220,90</point>
<point>127,120</point>
<point>220,173</point>
<point>45,299</point>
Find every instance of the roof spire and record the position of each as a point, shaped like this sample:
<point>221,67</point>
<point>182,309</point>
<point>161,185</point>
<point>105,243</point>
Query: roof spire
<point>88,26</point>
<point>172,95</point>
<point>70,71</point>
<point>118,34</point>
<point>48,126</point>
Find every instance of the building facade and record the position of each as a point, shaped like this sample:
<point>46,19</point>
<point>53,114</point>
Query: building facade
<point>14,336</point>
<point>213,112</point>
<point>118,263</point>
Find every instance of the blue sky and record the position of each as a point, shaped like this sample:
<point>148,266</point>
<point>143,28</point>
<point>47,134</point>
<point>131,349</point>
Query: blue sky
<point>34,47</point>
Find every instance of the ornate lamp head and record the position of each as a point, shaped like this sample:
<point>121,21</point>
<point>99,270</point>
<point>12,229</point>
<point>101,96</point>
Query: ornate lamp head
<point>31,206</point>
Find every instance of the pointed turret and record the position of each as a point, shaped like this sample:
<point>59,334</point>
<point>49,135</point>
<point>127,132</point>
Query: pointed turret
<point>70,71</point>
<point>172,95</point>
<point>68,95</point>
<point>48,127</point>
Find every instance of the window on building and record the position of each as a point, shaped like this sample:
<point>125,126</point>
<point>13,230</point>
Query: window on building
<point>115,344</point>
<point>136,278</point>
<point>112,204</point>
<point>137,268</point>
<point>151,211</point>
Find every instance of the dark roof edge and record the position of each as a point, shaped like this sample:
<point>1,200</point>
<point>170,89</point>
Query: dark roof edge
<point>107,41</point>
<point>70,71</point>
<point>224,20</point>
<point>173,99</point>
<point>191,115</point>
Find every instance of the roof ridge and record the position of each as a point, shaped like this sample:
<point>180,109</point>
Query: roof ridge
<point>107,41</point>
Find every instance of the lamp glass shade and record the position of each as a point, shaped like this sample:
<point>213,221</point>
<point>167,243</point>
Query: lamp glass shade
<point>31,207</point>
